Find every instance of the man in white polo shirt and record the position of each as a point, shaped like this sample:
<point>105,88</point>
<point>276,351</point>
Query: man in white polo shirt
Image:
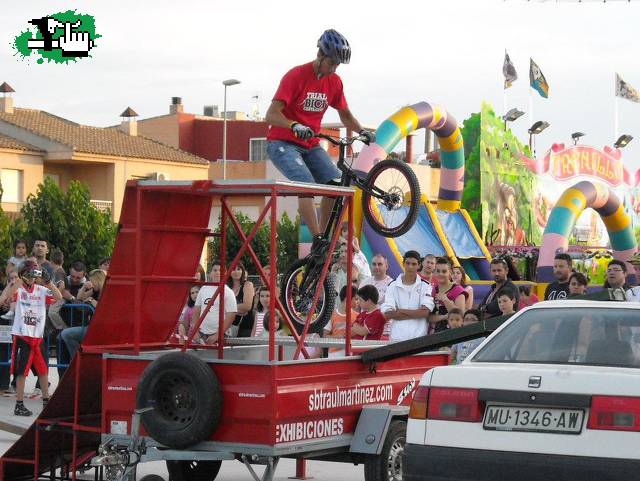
<point>208,331</point>
<point>408,301</point>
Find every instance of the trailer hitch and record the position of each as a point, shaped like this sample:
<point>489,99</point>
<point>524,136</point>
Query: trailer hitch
<point>120,462</point>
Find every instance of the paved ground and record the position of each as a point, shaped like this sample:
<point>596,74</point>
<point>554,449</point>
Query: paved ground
<point>231,470</point>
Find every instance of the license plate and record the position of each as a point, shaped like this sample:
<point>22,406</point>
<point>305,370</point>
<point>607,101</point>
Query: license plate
<point>524,418</point>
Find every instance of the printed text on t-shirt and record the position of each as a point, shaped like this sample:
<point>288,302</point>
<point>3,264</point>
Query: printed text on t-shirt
<point>315,102</point>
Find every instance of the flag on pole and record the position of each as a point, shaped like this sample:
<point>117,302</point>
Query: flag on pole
<point>537,80</point>
<point>509,71</point>
<point>626,91</point>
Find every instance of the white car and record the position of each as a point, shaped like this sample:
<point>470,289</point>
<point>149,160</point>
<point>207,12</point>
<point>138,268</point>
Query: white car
<point>553,394</point>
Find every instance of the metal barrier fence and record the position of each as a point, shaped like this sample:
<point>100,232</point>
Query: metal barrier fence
<point>70,313</point>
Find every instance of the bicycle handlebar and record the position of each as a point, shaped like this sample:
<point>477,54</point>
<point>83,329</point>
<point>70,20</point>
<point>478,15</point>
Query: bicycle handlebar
<point>342,140</point>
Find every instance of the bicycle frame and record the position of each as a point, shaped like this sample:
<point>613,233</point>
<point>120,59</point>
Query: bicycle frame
<point>348,178</point>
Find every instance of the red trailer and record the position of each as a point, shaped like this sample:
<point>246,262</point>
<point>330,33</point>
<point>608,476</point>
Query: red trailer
<point>131,395</point>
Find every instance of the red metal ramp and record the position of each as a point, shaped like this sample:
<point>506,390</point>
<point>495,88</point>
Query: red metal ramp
<point>173,220</point>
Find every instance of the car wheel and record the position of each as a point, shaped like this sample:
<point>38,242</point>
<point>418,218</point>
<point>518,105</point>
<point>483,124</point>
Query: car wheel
<point>186,398</point>
<point>151,477</point>
<point>387,466</point>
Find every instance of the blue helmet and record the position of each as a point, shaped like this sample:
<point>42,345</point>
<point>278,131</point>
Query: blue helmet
<point>334,45</point>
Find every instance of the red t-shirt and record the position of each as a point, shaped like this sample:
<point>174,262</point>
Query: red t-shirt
<point>306,99</point>
<point>374,321</point>
<point>433,281</point>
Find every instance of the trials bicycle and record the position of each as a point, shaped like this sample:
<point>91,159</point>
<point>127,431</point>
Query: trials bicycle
<point>390,204</point>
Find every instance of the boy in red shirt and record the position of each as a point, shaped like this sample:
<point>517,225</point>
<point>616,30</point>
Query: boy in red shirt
<point>28,328</point>
<point>295,115</point>
<point>369,324</point>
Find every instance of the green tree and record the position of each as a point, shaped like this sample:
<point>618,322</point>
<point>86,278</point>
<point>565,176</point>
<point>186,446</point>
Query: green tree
<point>287,232</point>
<point>287,243</point>
<point>260,243</point>
<point>68,221</point>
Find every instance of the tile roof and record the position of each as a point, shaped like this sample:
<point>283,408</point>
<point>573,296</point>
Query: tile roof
<point>11,143</point>
<point>96,140</point>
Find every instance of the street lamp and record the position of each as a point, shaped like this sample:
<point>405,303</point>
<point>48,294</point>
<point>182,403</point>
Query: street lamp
<point>512,115</point>
<point>226,83</point>
<point>623,141</point>
<point>576,137</point>
<point>535,129</point>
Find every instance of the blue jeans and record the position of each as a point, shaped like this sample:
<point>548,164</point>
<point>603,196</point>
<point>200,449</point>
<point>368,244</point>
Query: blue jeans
<point>72,337</point>
<point>302,165</point>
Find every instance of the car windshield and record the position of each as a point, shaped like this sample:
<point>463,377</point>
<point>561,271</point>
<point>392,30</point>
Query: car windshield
<point>590,336</point>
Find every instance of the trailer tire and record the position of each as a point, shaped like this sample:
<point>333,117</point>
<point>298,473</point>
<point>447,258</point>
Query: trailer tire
<point>193,470</point>
<point>186,397</point>
<point>387,466</point>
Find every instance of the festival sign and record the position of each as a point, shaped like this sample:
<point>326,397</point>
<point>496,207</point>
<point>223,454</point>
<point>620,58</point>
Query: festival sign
<point>562,166</point>
<point>566,163</point>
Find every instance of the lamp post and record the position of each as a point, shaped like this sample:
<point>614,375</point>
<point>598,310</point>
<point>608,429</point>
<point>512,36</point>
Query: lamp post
<point>512,115</point>
<point>623,141</point>
<point>576,136</point>
<point>535,129</point>
<point>226,83</point>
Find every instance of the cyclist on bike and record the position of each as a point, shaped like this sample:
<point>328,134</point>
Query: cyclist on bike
<point>295,115</point>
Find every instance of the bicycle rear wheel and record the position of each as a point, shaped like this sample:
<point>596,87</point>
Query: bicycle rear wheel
<point>297,295</point>
<point>391,198</point>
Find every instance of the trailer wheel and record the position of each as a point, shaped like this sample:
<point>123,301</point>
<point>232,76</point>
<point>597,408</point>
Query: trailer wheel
<point>186,397</point>
<point>387,466</point>
<point>193,470</point>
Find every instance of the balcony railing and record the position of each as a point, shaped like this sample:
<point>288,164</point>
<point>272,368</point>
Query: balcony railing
<point>102,205</point>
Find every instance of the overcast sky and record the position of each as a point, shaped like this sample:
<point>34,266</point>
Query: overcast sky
<point>448,51</point>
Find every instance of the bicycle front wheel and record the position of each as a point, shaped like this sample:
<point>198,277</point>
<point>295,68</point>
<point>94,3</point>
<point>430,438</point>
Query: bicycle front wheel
<point>391,198</point>
<point>298,289</point>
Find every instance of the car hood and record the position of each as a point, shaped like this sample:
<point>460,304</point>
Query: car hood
<point>553,378</point>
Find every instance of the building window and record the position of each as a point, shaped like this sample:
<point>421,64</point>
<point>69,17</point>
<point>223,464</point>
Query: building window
<point>257,149</point>
<point>11,184</point>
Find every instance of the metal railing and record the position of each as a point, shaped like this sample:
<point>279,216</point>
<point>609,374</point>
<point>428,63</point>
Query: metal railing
<point>102,205</point>
<point>85,313</point>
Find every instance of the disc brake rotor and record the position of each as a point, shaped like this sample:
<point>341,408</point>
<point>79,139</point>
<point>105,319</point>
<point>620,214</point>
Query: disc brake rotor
<point>394,197</point>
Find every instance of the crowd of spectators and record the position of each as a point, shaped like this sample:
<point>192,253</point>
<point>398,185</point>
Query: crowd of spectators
<point>54,322</point>
<point>430,295</point>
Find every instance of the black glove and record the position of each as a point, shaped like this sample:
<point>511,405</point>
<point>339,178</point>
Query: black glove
<point>302,131</point>
<point>46,277</point>
<point>370,136</point>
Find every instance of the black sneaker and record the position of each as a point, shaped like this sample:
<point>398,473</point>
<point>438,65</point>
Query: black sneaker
<point>21,410</point>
